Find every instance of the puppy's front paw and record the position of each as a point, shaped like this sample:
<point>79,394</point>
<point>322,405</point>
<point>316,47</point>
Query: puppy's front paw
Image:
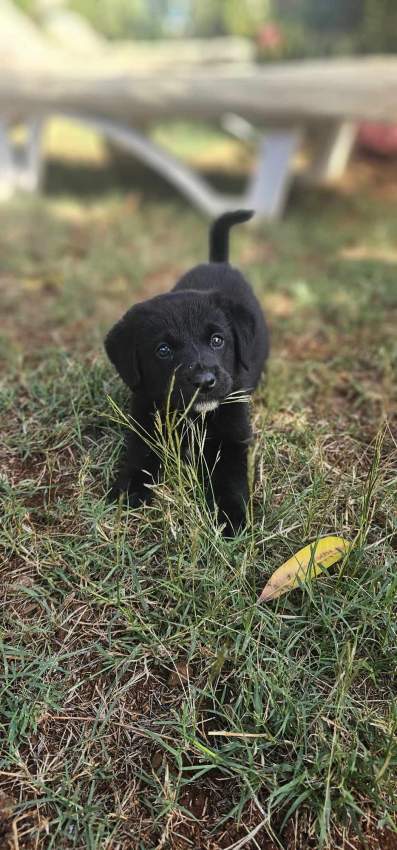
<point>131,495</point>
<point>234,518</point>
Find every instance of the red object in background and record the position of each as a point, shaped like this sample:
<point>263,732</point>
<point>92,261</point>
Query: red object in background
<point>270,37</point>
<point>378,138</point>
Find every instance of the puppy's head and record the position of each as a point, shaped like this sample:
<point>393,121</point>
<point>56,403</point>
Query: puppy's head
<point>198,338</point>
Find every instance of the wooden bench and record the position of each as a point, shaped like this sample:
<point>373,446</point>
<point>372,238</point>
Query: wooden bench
<point>278,108</point>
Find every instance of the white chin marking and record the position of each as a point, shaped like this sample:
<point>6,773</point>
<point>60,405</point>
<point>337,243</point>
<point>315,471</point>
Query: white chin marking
<point>205,406</point>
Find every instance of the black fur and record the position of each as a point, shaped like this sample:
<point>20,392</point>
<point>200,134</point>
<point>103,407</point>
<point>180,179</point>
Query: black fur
<point>178,334</point>
<point>219,234</point>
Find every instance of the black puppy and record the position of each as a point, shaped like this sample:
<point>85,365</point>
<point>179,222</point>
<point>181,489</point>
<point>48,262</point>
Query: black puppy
<point>209,336</point>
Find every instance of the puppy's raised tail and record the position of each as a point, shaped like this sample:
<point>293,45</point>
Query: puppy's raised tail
<point>219,234</point>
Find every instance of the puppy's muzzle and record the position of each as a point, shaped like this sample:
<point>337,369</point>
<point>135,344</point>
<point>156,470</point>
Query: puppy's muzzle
<point>204,381</point>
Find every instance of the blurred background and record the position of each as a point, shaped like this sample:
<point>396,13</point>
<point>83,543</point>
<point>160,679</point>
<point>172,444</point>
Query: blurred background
<point>54,52</point>
<point>110,40</point>
<point>280,29</point>
<point>68,251</point>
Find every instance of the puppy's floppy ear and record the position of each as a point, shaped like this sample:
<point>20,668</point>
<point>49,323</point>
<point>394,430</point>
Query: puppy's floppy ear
<point>121,347</point>
<point>242,321</point>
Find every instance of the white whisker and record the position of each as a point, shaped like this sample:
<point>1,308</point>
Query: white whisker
<point>237,396</point>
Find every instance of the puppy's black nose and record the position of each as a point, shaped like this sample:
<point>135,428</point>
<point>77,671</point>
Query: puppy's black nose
<point>204,381</point>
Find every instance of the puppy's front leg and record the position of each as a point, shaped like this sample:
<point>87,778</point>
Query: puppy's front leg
<point>230,478</point>
<point>140,465</point>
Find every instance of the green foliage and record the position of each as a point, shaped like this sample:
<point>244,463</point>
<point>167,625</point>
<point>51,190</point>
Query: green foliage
<point>309,27</point>
<point>321,28</point>
<point>227,17</point>
<point>206,18</point>
<point>123,18</point>
<point>245,18</point>
<point>321,15</point>
<point>379,27</point>
<point>28,6</point>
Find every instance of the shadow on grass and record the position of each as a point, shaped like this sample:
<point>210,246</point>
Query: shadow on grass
<point>86,180</point>
<point>90,180</point>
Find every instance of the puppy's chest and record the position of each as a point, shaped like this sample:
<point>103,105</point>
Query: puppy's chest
<point>197,442</point>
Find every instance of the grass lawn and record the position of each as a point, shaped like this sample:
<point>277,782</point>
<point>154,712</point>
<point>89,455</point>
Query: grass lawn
<point>147,701</point>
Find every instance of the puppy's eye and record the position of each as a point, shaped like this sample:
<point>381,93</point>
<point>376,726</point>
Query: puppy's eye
<point>217,341</point>
<point>163,350</point>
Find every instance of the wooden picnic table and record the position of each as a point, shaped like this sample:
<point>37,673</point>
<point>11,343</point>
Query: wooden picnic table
<point>276,107</point>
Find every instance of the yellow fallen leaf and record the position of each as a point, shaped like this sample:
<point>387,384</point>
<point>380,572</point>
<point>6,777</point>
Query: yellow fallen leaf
<point>309,562</point>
